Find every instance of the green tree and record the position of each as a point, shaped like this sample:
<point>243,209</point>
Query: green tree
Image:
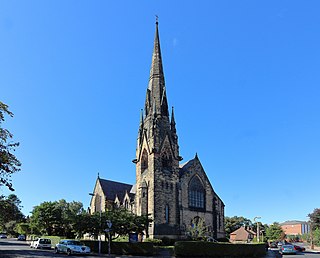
<point>87,223</point>
<point>198,229</point>
<point>23,228</point>
<point>68,212</point>
<point>233,223</point>
<point>44,217</point>
<point>9,164</point>
<point>275,232</point>
<point>10,210</point>
<point>316,236</point>
<point>315,219</point>
<point>56,218</point>
<point>123,223</point>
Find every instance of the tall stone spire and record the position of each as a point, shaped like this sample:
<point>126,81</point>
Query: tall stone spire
<point>156,99</point>
<point>157,154</point>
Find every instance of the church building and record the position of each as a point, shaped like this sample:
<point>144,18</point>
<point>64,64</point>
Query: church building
<point>173,193</point>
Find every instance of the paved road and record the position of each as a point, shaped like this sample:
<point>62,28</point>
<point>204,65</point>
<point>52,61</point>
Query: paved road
<point>274,253</point>
<point>11,248</point>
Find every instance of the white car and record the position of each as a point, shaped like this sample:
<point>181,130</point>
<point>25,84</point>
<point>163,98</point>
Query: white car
<point>42,243</point>
<point>71,247</point>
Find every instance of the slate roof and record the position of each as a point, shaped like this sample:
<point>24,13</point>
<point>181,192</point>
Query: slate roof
<point>183,167</point>
<point>111,189</point>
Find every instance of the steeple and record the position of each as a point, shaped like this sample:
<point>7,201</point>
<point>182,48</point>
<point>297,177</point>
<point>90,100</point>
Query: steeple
<point>156,99</point>
<point>157,153</point>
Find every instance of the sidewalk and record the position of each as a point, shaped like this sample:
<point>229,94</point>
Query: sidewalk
<point>270,254</point>
<point>316,249</point>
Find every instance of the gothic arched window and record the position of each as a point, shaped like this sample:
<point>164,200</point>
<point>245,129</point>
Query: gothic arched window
<point>196,193</point>
<point>167,213</point>
<point>126,204</point>
<point>144,160</point>
<point>166,161</point>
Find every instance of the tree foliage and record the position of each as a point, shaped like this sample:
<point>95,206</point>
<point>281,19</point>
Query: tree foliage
<point>9,164</point>
<point>10,210</point>
<point>198,229</point>
<point>315,219</point>
<point>55,218</point>
<point>123,223</point>
<point>61,218</point>
<point>235,222</point>
<point>275,232</point>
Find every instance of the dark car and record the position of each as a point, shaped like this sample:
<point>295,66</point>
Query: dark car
<point>21,238</point>
<point>3,236</point>
<point>299,248</point>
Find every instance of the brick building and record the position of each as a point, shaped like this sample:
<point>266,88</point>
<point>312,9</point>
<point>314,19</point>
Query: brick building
<point>171,192</point>
<point>295,227</point>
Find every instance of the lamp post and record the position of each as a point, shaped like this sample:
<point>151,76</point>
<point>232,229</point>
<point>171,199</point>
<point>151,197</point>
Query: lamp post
<point>109,225</point>
<point>258,238</point>
<point>99,237</point>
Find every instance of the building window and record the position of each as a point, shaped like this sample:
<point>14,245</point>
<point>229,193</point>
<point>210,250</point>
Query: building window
<point>166,160</point>
<point>144,160</point>
<point>196,193</point>
<point>167,213</point>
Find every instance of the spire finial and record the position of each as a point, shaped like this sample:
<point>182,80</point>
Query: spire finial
<point>98,175</point>
<point>141,117</point>
<point>157,19</point>
<point>173,122</point>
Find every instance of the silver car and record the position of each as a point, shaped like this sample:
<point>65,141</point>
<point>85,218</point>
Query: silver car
<point>70,247</point>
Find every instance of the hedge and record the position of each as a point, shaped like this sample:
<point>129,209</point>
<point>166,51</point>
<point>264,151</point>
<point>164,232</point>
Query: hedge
<point>222,250</point>
<point>121,247</point>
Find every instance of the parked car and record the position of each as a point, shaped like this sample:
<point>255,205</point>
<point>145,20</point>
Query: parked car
<point>287,249</point>
<point>21,238</point>
<point>42,243</point>
<point>273,245</point>
<point>279,244</point>
<point>70,247</point>
<point>3,236</point>
<point>299,248</point>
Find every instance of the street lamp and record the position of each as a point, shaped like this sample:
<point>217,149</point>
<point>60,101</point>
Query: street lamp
<point>99,237</point>
<point>109,225</point>
<point>258,239</point>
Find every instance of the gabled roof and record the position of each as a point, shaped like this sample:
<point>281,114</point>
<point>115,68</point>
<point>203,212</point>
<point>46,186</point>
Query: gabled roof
<point>111,189</point>
<point>184,167</point>
<point>242,234</point>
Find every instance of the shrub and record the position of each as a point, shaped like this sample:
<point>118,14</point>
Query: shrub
<point>154,241</point>
<point>121,247</point>
<point>223,240</point>
<point>167,241</point>
<point>207,249</point>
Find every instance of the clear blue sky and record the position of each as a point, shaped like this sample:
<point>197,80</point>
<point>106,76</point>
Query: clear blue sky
<point>243,77</point>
